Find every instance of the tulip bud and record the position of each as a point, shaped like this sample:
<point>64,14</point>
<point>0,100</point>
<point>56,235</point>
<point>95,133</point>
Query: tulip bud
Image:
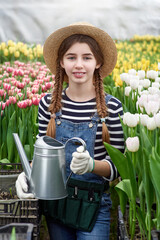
<point>132,144</point>
<point>130,120</point>
<point>146,83</point>
<point>151,107</point>
<point>127,91</point>
<point>134,82</point>
<point>151,123</point>
<point>141,74</point>
<point>143,119</point>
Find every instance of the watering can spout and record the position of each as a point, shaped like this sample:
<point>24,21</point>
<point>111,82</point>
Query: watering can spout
<point>23,157</point>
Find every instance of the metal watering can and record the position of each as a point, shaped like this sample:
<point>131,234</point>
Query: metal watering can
<point>47,177</point>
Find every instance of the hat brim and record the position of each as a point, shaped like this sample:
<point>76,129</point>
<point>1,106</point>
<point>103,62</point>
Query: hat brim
<point>107,45</point>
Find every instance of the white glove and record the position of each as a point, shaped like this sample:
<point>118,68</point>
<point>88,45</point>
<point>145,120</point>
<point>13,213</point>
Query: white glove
<point>22,187</point>
<point>81,162</point>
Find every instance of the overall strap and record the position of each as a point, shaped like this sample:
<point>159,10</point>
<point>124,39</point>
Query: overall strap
<point>108,97</point>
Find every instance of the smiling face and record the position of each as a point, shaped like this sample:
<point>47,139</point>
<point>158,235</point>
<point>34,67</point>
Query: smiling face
<point>79,63</point>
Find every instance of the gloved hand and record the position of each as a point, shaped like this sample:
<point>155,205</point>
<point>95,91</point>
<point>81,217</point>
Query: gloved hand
<point>22,187</point>
<point>81,161</point>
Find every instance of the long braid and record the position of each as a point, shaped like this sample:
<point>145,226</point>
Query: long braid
<point>55,104</point>
<point>101,104</point>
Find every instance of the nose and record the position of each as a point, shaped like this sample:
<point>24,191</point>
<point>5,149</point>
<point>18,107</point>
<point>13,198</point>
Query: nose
<point>78,63</point>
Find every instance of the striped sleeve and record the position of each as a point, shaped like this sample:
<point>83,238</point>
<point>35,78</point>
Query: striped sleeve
<point>115,112</point>
<point>43,114</point>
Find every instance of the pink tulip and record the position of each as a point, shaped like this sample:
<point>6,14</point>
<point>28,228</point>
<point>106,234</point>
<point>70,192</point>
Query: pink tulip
<point>22,104</point>
<point>3,105</point>
<point>20,72</point>
<point>35,89</point>
<point>43,88</point>
<point>35,100</point>
<point>20,85</point>
<point>1,92</point>
<point>7,102</point>
<point>6,86</point>
<point>29,101</point>
<point>9,69</point>
<point>48,85</point>
<point>12,99</point>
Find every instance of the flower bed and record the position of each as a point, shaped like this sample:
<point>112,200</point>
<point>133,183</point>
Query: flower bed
<point>22,85</point>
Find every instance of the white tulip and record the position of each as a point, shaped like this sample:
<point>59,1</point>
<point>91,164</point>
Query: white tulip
<point>144,92</point>
<point>157,119</point>
<point>158,65</point>
<point>146,83</point>
<point>151,123</point>
<point>151,107</point>
<point>134,82</point>
<point>132,144</point>
<point>130,119</point>
<point>140,88</point>
<point>125,78</point>
<point>152,74</point>
<point>138,107</point>
<point>143,119</point>
<point>153,97</point>
<point>127,91</point>
<point>132,72</point>
<point>155,84</point>
<point>126,115</point>
<point>153,90</point>
<point>142,99</point>
<point>157,79</point>
<point>141,74</point>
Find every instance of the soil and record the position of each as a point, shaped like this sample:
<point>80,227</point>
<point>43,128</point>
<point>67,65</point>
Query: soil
<point>7,196</point>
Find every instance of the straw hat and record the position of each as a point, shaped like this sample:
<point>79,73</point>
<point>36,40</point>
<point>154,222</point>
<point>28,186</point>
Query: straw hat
<point>105,42</point>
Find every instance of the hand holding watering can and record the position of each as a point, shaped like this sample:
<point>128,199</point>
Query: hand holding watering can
<point>47,177</point>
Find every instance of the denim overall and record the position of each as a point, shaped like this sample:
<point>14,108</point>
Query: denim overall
<point>87,131</point>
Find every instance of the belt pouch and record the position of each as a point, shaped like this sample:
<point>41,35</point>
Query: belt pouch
<point>80,208</point>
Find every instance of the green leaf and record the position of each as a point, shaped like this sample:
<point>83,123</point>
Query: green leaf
<point>155,169</point>
<point>27,151</point>
<point>122,198</point>
<point>141,221</point>
<point>4,160</point>
<point>13,234</point>
<point>125,186</point>
<point>119,160</point>
<point>4,140</point>
<point>10,140</point>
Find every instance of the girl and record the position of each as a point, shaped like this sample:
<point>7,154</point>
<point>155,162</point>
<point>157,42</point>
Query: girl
<point>82,55</point>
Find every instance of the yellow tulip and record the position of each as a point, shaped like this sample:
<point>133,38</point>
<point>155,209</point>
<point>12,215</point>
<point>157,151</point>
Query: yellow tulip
<point>26,52</point>
<point>17,54</point>
<point>31,56</point>
<point>3,45</point>
<point>5,52</point>
<point>11,50</point>
<point>10,43</point>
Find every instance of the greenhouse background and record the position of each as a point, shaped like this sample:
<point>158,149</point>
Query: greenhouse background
<point>34,20</point>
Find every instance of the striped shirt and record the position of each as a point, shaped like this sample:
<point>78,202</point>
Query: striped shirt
<point>82,112</point>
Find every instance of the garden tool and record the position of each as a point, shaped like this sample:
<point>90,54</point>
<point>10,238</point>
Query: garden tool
<point>47,177</point>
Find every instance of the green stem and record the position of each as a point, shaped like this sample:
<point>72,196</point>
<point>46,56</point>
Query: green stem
<point>133,219</point>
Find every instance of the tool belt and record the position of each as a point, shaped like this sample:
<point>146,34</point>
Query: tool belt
<point>80,208</point>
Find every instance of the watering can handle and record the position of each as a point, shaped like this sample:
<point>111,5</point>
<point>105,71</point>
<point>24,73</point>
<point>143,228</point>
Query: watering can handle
<point>84,145</point>
<point>79,139</point>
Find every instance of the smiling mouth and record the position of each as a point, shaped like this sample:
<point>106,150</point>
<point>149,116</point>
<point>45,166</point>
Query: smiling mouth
<point>78,74</point>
